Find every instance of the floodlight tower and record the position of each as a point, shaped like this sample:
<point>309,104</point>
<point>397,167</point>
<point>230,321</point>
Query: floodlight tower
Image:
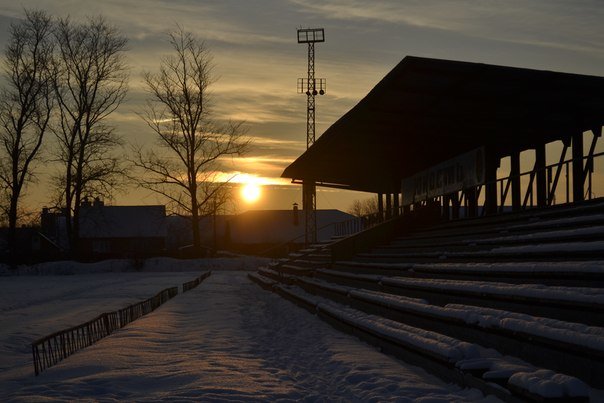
<point>311,87</point>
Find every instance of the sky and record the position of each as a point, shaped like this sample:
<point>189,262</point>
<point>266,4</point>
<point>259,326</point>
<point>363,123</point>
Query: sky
<point>258,61</point>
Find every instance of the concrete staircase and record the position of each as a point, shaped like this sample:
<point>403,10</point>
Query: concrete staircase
<point>511,304</point>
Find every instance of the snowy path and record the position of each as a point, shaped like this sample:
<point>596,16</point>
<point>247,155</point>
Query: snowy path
<point>230,340</point>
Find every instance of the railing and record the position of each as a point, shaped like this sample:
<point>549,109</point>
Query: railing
<point>552,179</point>
<point>267,252</point>
<point>527,183</point>
<point>358,224</point>
<point>189,285</point>
<point>53,348</point>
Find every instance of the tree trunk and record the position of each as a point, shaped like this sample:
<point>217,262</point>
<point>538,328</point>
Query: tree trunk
<point>68,204</point>
<point>77,190</point>
<point>75,235</point>
<point>195,224</point>
<point>12,230</point>
<point>14,200</point>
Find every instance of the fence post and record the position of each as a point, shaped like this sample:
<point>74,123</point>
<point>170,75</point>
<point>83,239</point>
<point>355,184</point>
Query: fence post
<point>106,323</point>
<point>36,356</point>
<point>578,170</point>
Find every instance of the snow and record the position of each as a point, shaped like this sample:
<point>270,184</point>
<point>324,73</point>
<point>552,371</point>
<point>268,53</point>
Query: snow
<point>517,267</point>
<point>541,236</point>
<point>339,289</point>
<point>583,219</point>
<point>227,339</point>
<point>447,348</point>
<point>590,246</point>
<point>578,295</point>
<point>359,277</point>
<point>558,247</point>
<point>548,384</point>
<point>590,337</point>
<point>464,355</point>
<point>389,300</point>
<point>594,266</point>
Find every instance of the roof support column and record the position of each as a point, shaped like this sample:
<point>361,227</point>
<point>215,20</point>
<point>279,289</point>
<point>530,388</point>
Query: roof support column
<point>455,205</point>
<point>388,206</point>
<point>589,163</point>
<point>578,170</point>
<point>491,165</point>
<point>472,201</point>
<point>541,176</point>
<point>381,206</point>
<point>446,199</point>
<point>515,179</point>
<point>396,204</point>
<point>309,205</point>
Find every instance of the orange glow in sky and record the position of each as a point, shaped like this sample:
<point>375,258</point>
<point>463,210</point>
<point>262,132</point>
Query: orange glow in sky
<point>251,47</point>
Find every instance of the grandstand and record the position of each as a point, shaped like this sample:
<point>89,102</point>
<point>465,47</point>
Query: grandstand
<point>487,278</point>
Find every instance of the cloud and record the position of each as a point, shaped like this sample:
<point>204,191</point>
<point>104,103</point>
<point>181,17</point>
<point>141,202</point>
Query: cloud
<point>275,143</point>
<point>258,59</point>
<point>543,23</point>
<point>260,165</point>
<point>239,177</point>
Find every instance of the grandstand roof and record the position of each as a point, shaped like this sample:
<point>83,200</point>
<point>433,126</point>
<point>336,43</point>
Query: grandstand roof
<point>426,111</point>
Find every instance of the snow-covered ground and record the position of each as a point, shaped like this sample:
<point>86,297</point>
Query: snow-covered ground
<point>225,340</point>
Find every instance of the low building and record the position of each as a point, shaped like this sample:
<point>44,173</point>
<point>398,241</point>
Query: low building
<point>121,231</point>
<point>30,246</point>
<point>180,235</point>
<point>273,232</point>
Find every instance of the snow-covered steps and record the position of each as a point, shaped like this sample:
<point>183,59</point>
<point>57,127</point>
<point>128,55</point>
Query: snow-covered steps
<point>563,303</point>
<point>533,225</point>
<point>302,270</point>
<point>588,273</point>
<point>262,280</point>
<point>575,348</point>
<point>560,223</point>
<point>468,364</point>
<point>306,257</point>
<point>565,224</point>
<point>574,219</point>
<point>563,251</point>
<point>591,233</point>
<point>485,241</point>
<point>442,246</point>
<point>277,275</point>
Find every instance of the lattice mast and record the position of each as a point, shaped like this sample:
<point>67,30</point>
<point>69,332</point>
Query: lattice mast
<point>311,87</point>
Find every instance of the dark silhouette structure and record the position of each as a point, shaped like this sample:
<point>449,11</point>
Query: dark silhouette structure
<point>427,112</point>
<point>311,87</point>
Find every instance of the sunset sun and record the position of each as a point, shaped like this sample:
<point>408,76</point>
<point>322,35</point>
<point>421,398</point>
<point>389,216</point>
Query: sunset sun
<point>250,192</point>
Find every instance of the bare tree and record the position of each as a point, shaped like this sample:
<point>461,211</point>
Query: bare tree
<point>91,83</point>
<point>191,143</point>
<point>364,207</point>
<point>25,109</point>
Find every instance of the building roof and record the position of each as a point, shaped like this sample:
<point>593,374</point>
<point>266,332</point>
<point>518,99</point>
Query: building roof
<point>428,110</point>
<point>275,226</point>
<point>100,221</point>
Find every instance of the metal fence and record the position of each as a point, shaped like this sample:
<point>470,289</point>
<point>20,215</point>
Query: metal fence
<point>53,348</point>
<point>189,285</point>
<point>358,224</point>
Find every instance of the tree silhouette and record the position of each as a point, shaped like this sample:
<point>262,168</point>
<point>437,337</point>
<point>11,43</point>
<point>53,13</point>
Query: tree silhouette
<point>191,144</point>
<point>91,82</point>
<point>25,109</point>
